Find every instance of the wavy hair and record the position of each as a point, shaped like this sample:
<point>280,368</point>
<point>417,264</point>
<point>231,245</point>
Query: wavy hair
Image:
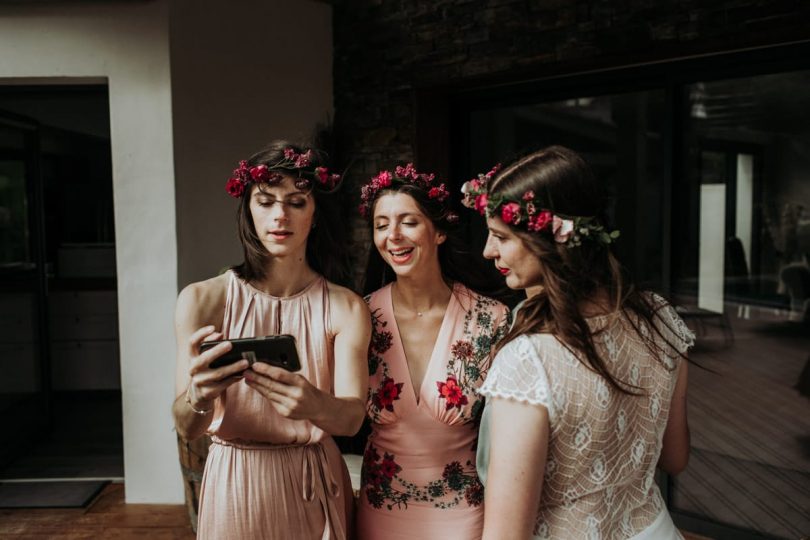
<point>575,275</point>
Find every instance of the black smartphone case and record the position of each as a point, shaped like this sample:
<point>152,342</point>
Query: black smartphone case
<point>277,351</point>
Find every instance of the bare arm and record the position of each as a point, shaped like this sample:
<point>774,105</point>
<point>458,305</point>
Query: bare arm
<point>675,450</point>
<point>519,434</point>
<point>294,397</point>
<point>199,311</point>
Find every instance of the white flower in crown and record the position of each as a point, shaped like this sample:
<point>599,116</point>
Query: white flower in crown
<point>562,229</point>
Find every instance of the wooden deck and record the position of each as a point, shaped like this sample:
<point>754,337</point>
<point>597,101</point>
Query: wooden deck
<point>109,517</point>
<point>750,461</point>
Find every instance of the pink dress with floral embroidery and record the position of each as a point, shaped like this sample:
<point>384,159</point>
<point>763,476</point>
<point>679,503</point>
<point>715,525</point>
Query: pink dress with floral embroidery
<point>418,476</point>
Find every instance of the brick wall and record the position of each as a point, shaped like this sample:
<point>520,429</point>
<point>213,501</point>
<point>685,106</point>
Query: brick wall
<point>388,52</point>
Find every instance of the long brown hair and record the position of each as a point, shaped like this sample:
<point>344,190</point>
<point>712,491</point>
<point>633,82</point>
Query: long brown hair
<point>325,253</point>
<point>573,276</point>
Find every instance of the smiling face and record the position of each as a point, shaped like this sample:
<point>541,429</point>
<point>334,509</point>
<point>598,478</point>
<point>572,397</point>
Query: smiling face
<point>404,236</point>
<point>520,267</point>
<point>282,217</point>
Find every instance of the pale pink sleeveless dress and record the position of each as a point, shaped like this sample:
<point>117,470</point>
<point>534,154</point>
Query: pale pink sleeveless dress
<point>268,476</point>
<point>418,478</point>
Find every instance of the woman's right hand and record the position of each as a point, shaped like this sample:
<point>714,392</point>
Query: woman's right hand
<point>206,383</point>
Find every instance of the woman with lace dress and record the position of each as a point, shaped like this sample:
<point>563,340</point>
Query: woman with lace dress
<point>273,470</point>
<point>430,350</point>
<point>587,393</point>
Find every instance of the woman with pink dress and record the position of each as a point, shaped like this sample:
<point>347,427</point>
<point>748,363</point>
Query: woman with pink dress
<point>273,470</point>
<point>430,350</point>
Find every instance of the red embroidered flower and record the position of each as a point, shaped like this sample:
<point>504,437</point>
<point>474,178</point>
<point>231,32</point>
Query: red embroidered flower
<point>235,187</point>
<point>463,350</point>
<point>387,394</point>
<point>540,221</point>
<point>371,455</point>
<point>510,213</point>
<point>452,393</point>
<point>389,467</point>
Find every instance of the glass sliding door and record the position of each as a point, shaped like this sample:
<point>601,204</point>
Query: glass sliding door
<point>23,392</point>
<point>619,135</point>
<point>742,281</point>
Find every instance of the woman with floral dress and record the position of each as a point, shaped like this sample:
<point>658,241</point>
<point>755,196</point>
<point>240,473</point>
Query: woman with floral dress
<point>587,392</point>
<point>431,340</point>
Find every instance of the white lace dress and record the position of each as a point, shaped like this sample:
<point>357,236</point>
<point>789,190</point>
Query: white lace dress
<point>603,445</point>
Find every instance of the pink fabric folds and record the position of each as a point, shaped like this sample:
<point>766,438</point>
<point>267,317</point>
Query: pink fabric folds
<point>268,476</point>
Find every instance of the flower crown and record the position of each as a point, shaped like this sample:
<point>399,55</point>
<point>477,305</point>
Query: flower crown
<point>298,164</point>
<point>402,176</point>
<point>528,212</point>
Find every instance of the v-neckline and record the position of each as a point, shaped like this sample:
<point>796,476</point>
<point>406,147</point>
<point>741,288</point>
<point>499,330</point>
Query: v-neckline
<point>416,393</point>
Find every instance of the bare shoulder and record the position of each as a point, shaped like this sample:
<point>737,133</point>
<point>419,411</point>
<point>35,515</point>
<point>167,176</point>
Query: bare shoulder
<point>204,300</point>
<point>347,306</point>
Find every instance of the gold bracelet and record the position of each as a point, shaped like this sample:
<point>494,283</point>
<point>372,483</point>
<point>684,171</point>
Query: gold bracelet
<point>190,406</point>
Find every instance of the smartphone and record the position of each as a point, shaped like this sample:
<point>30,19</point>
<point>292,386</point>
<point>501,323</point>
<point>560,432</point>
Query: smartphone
<point>277,351</point>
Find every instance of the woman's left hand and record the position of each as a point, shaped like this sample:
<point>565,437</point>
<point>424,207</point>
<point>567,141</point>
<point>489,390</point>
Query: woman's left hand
<point>291,394</point>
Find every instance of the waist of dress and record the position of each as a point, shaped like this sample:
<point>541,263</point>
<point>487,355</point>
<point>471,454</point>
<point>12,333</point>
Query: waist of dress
<point>317,478</point>
<point>244,444</point>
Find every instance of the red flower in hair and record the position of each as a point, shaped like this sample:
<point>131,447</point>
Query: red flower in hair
<point>235,187</point>
<point>540,221</point>
<point>260,173</point>
<point>510,213</point>
<point>452,393</point>
<point>323,174</point>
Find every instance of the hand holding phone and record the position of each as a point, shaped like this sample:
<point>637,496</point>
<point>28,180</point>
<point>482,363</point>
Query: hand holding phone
<point>279,350</point>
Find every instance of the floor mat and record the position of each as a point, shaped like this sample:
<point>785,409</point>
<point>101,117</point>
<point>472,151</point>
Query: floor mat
<point>73,494</point>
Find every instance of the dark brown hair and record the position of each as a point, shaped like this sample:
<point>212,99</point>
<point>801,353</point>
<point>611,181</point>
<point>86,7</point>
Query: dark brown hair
<point>573,276</point>
<point>325,253</point>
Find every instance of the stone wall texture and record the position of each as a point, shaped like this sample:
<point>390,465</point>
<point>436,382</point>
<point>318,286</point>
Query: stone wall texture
<point>388,50</point>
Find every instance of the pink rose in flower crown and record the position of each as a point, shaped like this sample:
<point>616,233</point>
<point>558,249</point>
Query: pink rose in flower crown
<point>235,187</point>
<point>303,160</point>
<point>528,196</point>
<point>481,203</point>
<point>510,213</point>
<point>323,174</point>
<point>562,229</point>
<point>540,221</point>
<point>384,179</point>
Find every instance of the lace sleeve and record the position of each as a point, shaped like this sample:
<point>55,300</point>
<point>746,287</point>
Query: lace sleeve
<point>518,373</point>
<point>673,327</point>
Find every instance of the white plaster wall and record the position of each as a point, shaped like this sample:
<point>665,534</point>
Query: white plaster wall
<point>243,73</point>
<point>126,43</point>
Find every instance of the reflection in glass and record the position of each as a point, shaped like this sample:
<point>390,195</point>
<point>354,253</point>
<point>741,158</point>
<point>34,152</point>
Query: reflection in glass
<point>743,284</point>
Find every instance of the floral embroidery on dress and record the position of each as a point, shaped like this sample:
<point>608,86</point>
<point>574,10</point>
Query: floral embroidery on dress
<point>383,486</point>
<point>469,358</point>
<point>387,394</point>
<point>383,397</point>
<point>452,393</point>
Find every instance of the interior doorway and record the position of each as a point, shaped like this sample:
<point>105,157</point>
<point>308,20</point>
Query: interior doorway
<point>59,355</point>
